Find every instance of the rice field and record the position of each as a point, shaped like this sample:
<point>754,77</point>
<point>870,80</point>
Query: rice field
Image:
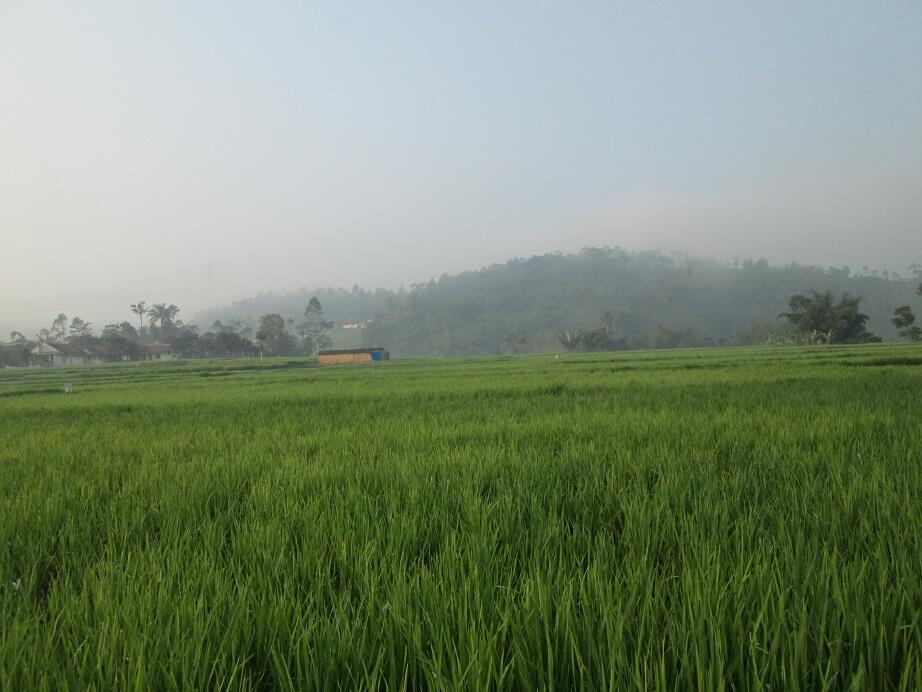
<point>721,519</point>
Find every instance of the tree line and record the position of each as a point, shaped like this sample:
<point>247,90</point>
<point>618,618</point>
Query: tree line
<point>124,341</point>
<point>814,318</point>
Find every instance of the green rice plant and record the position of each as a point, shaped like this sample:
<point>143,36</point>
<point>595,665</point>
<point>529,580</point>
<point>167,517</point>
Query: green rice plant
<point>698,519</point>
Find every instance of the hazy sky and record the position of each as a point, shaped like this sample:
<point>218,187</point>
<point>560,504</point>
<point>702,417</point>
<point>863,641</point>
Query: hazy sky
<point>291,144</point>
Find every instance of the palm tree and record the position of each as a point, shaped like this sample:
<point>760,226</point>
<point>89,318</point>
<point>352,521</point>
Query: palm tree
<point>158,312</point>
<point>569,340</point>
<point>139,309</point>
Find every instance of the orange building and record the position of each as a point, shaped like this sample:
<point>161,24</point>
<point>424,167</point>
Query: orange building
<point>352,355</point>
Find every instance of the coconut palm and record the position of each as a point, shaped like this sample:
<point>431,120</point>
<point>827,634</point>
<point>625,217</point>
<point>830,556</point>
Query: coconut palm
<point>140,309</point>
<point>158,312</point>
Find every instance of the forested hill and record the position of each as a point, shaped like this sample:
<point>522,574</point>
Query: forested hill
<point>647,299</point>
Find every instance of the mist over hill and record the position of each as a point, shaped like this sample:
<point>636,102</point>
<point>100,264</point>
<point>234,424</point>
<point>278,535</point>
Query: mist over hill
<point>646,299</point>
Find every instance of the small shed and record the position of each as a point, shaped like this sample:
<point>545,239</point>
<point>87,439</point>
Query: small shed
<point>352,355</point>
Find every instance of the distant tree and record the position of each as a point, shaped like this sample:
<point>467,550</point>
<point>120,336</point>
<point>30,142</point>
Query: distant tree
<point>140,309</point>
<point>225,343</point>
<point>158,312</point>
<point>186,342</point>
<point>570,340</point>
<point>172,322</point>
<point>273,338</point>
<point>119,345</point>
<point>313,328</point>
<point>600,339</point>
<point>608,320</point>
<point>903,320</point>
<point>919,290</point>
<point>59,326</point>
<point>79,329</point>
<point>18,337</point>
<point>237,326</point>
<point>818,316</point>
<point>123,329</point>
<point>15,354</point>
<point>163,319</point>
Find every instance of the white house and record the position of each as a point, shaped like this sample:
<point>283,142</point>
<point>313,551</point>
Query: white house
<point>56,355</point>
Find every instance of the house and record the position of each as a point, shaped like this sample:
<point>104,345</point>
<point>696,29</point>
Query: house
<point>157,351</point>
<point>352,355</point>
<point>49,354</point>
<point>57,354</point>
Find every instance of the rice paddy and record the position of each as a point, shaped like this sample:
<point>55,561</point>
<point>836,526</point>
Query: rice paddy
<point>675,520</point>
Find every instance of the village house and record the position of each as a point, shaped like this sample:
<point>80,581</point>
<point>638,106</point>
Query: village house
<point>48,354</point>
<point>60,354</point>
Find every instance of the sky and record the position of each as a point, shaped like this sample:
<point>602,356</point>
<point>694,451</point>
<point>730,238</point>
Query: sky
<point>195,153</point>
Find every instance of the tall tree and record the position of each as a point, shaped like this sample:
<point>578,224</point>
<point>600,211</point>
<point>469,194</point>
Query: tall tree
<point>273,338</point>
<point>313,328</point>
<point>165,316</point>
<point>123,329</point>
<point>158,312</point>
<point>59,326</point>
<point>140,309</point>
<point>903,320</point>
<point>119,345</point>
<point>818,316</point>
<point>171,312</point>
<point>79,329</point>
<point>242,328</point>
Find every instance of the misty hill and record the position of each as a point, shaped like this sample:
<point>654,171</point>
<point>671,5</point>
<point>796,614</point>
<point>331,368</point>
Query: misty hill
<point>646,298</point>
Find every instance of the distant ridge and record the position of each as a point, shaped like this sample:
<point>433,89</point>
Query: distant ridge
<point>519,305</point>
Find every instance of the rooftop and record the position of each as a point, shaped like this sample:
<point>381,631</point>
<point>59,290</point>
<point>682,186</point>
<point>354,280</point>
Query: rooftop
<point>347,351</point>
